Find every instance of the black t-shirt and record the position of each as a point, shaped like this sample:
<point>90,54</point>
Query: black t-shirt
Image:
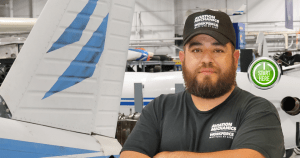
<point>173,123</point>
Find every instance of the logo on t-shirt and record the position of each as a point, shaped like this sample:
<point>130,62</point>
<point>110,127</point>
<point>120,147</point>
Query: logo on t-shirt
<point>222,130</point>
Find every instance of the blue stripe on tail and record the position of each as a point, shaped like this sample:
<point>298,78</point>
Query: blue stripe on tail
<point>83,66</point>
<point>74,32</point>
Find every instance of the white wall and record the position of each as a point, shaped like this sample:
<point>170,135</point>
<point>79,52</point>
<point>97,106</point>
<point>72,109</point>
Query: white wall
<point>28,8</point>
<point>154,19</point>
<point>38,6</point>
<point>264,15</point>
<point>4,11</point>
<point>21,8</point>
<point>4,8</point>
<point>268,15</point>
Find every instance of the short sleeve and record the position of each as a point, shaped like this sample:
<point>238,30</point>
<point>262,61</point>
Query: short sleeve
<point>145,136</point>
<point>260,130</point>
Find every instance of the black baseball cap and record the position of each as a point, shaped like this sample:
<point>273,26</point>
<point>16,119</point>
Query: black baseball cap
<point>216,24</point>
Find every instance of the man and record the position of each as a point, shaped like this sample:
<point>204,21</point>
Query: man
<point>213,118</point>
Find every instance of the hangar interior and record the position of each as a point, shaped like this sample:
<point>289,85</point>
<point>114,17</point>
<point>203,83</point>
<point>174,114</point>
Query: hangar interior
<point>157,27</point>
<point>157,24</point>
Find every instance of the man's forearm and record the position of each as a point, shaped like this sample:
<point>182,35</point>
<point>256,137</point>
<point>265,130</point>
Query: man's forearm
<point>238,153</point>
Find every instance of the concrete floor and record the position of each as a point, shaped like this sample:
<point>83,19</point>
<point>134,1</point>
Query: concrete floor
<point>295,156</point>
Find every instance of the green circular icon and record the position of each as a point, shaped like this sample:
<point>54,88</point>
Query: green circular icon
<point>264,73</point>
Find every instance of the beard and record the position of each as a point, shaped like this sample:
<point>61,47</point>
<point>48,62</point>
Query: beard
<point>207,89</point>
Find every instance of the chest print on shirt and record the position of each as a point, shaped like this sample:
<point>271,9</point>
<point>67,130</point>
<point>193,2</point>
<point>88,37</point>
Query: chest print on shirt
<point>222,130</point>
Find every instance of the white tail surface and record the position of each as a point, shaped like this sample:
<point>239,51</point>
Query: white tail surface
<point>69,73</point>
<point>242,9</point>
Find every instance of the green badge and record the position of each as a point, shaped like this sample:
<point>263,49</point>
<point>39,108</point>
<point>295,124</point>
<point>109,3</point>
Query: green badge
<point>264,73</point>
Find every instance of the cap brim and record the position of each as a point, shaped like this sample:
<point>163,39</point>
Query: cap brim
<point>216,35</point>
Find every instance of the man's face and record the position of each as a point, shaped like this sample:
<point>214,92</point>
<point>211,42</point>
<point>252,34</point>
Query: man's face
<point>209,68</point>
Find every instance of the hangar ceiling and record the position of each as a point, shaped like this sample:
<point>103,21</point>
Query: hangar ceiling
<point>154,20</point>
<point>3,2</point>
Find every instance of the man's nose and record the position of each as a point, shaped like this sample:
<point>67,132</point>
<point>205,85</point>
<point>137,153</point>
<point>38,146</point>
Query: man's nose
<point>207,57</point>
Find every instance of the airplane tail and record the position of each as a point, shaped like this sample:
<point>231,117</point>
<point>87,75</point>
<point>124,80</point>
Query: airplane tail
<point>69,73</point>
<point>241,10</point>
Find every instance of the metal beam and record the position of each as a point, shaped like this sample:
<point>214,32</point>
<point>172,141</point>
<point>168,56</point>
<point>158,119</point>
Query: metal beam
<point>11,10</point>
<point>30,9</point>
<point>138,97</point>
<point>158,39</point>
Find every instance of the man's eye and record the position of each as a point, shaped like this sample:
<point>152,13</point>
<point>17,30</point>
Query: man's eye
<point>218,51</point>
<point>196,50</point>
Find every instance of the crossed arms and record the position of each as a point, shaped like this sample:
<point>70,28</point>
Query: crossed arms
<point>259,136</point>
<point>238,153</point>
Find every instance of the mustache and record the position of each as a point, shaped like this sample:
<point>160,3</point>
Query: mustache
<point>209,65</point>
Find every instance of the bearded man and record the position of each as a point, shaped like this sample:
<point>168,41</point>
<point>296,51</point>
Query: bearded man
<point>213,117</point>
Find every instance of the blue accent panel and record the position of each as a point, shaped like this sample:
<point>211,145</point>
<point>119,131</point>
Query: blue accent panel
<point>74,32</point>
<point>131,103</point>
<point>133,98</point>
<point>127,103</point>
<point>116,156</point>
<point>240,35</point>
<point>83,66</point>
<point>127,98</point>
<point>16,148</point>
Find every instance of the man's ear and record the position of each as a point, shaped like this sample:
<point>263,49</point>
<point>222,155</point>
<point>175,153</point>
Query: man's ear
<point>181,56</point>
<point>236,56</point>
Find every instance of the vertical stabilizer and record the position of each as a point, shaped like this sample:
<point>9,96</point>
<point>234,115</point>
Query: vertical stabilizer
<point>69,73</point>
<point>241,10</point>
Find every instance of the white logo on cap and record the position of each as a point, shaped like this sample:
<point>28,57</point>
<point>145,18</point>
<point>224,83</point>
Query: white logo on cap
<point>206,21</point>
